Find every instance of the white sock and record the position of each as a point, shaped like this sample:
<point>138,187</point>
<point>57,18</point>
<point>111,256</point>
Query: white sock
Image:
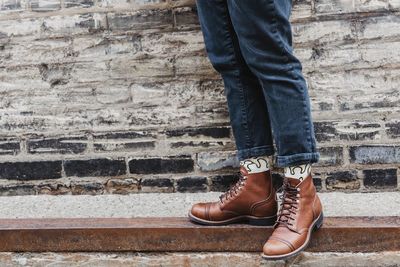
<point>255,164</point>
<point>298,172</point>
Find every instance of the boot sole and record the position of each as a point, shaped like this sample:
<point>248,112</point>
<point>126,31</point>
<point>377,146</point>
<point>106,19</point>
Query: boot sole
<point>252,220</point>
<point>317,223</point>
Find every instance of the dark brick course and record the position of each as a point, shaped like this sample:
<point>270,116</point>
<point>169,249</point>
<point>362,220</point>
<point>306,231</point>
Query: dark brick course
<point>342,180</point>
<point>221,183</point>
<point>124,146</point>
<point>157,182</point>
<point>123,135</point>
<point>63,145</point>
<point>161,165</point>
<point>378,178</point>
<point>9,148</point>
<point>214,132</point>
<point>95,167</point>
<point>30,170</point>
<point>192,184</point>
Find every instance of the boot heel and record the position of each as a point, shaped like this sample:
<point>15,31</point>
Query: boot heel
<point>319,222</point>
<point>266,221</point>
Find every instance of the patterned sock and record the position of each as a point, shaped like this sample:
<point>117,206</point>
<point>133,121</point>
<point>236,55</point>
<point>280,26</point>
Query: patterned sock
<point>298,172</point>
<point>255,164</point>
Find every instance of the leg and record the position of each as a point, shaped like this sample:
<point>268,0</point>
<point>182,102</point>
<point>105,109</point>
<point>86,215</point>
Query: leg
<point>247,108</point>
<point>265,39</point>
<point>264,34</point>
<point>252,198</point>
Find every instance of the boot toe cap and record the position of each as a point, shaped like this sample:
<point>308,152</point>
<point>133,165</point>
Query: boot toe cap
<point>275,247</point>
<point>198,210</point>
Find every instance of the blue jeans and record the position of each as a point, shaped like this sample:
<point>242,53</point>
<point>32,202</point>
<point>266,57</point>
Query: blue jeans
<point>249,42</point>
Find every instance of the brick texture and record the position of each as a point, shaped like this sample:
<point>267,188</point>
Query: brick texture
<point>118,96</point>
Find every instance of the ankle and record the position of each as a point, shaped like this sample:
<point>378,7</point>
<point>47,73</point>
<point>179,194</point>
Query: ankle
<point>255,164</point>
<point>299,172</point>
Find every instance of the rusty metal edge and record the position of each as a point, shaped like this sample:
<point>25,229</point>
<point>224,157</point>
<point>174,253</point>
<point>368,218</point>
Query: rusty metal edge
<point>340,234</point>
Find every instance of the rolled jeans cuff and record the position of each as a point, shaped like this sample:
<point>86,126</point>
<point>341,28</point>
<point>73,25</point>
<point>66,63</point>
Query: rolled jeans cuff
<point>259,151</point>
<point>296,159</point>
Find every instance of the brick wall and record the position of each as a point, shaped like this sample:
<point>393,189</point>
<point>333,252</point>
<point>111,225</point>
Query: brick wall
<point>118,96</point>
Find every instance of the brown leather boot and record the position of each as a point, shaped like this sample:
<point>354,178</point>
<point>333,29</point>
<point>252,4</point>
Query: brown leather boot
<point>251,199</point>
<point>300,213</point>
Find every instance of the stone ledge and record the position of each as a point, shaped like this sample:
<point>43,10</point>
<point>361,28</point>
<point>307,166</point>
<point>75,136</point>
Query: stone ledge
<point>308,259</point>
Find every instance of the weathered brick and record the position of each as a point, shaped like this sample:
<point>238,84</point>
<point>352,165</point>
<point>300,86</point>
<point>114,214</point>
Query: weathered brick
<point>221,183</point>
<point>192,184</point>
<point>345,130</point>
<point>129,3</point>
<point>212,161</point>
<point>324,130</point>
<point>193,66</point>
<point>17,189</point>
<point>186,18</point>
<point>123,135</point>
<point>53,188</point>
<point>301,9</point>
<point>126,146</point>
<point>45,5</point>
<point>124,141</point>
<point>384,27</point>
<point>342,180</point>
<point>193,144</point>
<point>34,170</point>
<point>95,167</point>
<point>61,145</point>
<point>141,20</point>
<point>330,156</point>
<point>380,178</point>
<point>167,43</point>
<point>78,3</point>
<point>214,132</point>
<point>54,26</point>
<point>122,186</point>
<point>335,31</point>
<point>328,6</point>
<point>179,164</point>
<point>86,187</point>
<point>164,185</point>
<point>10,5</point>
<point>375,154</point>
<point>349,6</point>
<point>9,146</point>
<point>393,129</point>
<point>366,103</point>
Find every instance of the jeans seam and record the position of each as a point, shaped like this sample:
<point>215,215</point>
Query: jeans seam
<point>284,51</point>
<point>244,103</point>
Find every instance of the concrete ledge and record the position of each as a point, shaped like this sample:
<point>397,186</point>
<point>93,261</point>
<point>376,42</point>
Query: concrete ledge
<point>175,205</point>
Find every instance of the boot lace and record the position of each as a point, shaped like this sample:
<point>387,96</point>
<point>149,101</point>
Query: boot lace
<point>233,190</point>
<point>289,204</point>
